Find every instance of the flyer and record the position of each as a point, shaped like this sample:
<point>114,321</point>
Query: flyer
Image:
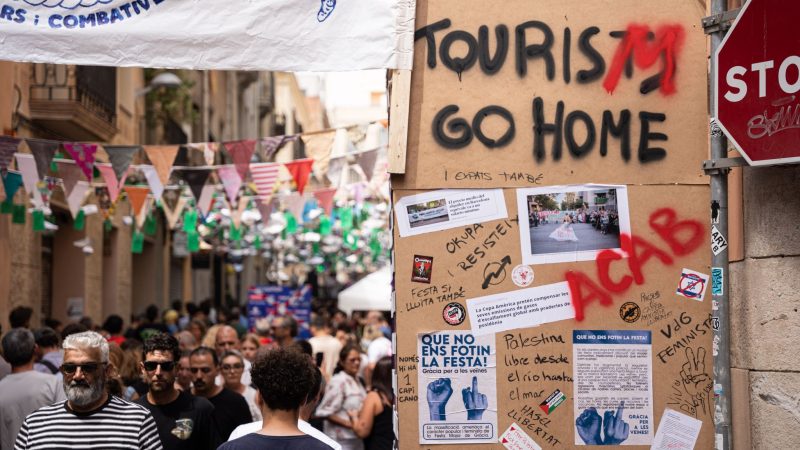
<point>453,362</point>
<point>613,375</point>
<point>676,431</point>
<point>522,308</point>
<point>448,208</point>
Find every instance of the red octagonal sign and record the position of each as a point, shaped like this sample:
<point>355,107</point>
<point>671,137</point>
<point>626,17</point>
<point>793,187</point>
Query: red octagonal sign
<point>758,82</point>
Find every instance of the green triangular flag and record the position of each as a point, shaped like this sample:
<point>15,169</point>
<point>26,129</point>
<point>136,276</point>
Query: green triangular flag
<point>18,215</point>
<point>324,225</point>
<point>257,242</point>
<point>235,234</point>
<point>80,221</point>
<point>192,241</point>
<point>150,225</point>
<point>190,220</point>
<point>137,242</point>
<point>107,225</point>
<point>7,206</point>
<point>346,216</point>
<point>291,222</point>
<point>38,220</point>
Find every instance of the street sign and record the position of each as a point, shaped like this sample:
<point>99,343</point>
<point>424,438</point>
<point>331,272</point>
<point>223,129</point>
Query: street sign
<point>758,80</point>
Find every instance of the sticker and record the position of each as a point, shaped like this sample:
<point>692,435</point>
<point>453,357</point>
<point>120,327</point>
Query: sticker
<point>717,278</point>
<point>630,312</point>
<point>715,323</point>
<point>718,241</point>
<point>516,439</point>
<point>495,273</point>
<point>454,313</point>
<point>714,305</point>
<point>552,402</point>
<point>423,266</point>
<point>522,275</point>
<point>715,345</point>
<point>714,211</point>
<point>692,285</point>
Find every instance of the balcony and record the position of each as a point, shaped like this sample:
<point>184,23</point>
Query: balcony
<point>75,102</point>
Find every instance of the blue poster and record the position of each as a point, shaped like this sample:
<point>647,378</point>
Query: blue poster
<point>269,301</point>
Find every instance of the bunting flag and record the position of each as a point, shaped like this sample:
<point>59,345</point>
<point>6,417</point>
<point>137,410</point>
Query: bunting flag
<point>270,145</point>
<point>206,199</point>
<point>265,208</point>
<point>209,150</point>
<point>295,203</point>
<point>336,168</point>
<point>366,160</point>
<point>27,167</point>
<point>325,199</point>
<point>173,212</point>
<point>83,154</point>
<point>120,157</point>
<point>236,215</point>
<point>318,147</point>
<point>110,177</point>
<point>69,173</point>
<point>241,152</point>
<point>196,179</point>
<point>162,157</point>
<point>43,151</point>
<point>76,196</point>
<point>141,216</point>
<point>300,170</point>
<point>170,197</point>
<point>8,146</point>
<point>153,180</point>
<point>264,176</point>
<point>136,196</point>
<point>103,201</point>
<point>230,181</point>
<point>11,183</point>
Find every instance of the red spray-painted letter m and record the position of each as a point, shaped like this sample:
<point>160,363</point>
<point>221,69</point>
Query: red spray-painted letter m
<point>668,40</point>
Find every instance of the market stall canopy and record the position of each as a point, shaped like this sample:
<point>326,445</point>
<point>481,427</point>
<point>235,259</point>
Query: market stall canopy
<point>279,35</point>
<point>373,292</point>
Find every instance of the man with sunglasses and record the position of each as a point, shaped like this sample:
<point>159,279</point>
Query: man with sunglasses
<point>90,417</point>
<point>184,421</point>
<point>230,408</point>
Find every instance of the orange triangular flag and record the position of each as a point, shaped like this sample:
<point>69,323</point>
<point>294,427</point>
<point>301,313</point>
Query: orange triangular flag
<point>162,157</point>
<point>300,171</point>
<point>137,196</point>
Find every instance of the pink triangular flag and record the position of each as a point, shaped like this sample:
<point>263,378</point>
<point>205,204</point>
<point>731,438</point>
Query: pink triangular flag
<point>83,154</point>
<point>76,197</point>
<point>241,152</point>
<point>265,208</point>
<point>136,196</point>
<point>295,203</point>
<point>206,199</point>
<point>110,176</point>
<point>300,170</point>
<point>366,160</point>
<point>70,173</point>
<point>264,176</point>
<point>325,199</point>
<point>162,157</point>
<point>231,181</point>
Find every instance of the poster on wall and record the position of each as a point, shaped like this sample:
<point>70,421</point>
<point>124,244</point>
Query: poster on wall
<point>613,375</point>
<point>458,381</point>
<point>267,302</point>
<point>571,223</point>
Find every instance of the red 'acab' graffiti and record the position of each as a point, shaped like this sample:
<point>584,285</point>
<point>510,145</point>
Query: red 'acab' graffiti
<point>682,236</point>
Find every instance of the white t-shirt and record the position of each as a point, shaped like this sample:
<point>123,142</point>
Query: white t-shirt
<point>304,426</point>
<point>379,348</point>
<point>330,347</point>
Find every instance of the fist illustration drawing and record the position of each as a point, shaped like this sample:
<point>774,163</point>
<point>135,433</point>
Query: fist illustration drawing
<point>474,401</point>
<point>588,425</point>
<point>439,392</point>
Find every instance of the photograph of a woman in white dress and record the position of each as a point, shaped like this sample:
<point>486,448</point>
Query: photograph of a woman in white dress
<point>565,232</point>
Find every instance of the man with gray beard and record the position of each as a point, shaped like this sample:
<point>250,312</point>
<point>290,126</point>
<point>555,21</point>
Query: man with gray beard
<point>89,418</point>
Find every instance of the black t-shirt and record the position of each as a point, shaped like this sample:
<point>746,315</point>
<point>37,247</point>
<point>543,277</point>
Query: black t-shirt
<point>230,411</point>
<point>255,441</point>
<point>186,423</point>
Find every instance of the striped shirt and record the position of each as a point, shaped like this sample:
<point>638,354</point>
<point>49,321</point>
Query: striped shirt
<point>118,424</point>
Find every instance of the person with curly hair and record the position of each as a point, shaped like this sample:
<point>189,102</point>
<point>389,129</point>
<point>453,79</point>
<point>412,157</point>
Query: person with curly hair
<point>183,420</point>
<point>280,402</point>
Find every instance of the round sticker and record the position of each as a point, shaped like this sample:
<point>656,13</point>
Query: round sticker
<point>454,313</point>
<point>630,312</point>
<point>522,275</point>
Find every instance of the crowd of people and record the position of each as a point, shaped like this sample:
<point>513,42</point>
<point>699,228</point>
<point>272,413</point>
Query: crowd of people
<point>196,378</point>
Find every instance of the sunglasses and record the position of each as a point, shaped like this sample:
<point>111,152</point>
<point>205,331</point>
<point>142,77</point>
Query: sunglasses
<point>86,368</point>
<point>237,366</point>
<point>201,369</point>
<point>166,366</point>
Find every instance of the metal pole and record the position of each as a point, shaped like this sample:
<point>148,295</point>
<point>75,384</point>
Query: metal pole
<point>719,193</point>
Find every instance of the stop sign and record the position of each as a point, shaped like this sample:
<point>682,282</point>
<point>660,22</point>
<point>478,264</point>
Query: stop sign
<point>757,82</point>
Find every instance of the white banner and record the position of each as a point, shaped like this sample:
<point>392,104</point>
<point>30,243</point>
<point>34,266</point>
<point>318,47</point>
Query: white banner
<point>281,35</point>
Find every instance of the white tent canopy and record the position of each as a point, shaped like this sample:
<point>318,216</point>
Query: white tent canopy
<point>373,292</point>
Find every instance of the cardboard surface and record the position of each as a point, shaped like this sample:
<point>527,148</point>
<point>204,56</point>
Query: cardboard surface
<point>585,98</point>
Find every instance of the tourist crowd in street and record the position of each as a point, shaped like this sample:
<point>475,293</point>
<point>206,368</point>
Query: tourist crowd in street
<point>197,379</point>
